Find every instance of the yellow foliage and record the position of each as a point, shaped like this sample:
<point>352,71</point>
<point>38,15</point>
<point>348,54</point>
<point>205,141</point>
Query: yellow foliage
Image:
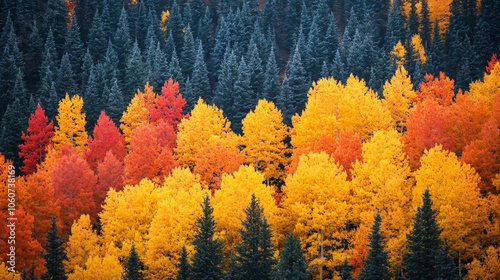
<point>399,93</point>
<point>179,179</point>
<point>70,129</point>
<point>207,123</point>
<point>453,185</point>
<point>263,137</point>
<point>127,215</point>
<point>234,196</point>
<point>487,89</point>
<point>316,204</point>
<point>488,269</point>
<point>174,221</point>
<point>398,54</point>
<point>99,268</point>
<point>383,181</point>
<point>418,48</point>
<point>163,21</point>
<point>135,115</point>
<point>439,9</point>
<point>5,274</point>
<point>82,244</point>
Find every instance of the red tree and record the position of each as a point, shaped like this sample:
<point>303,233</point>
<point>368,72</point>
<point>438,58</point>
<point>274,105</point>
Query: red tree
<point>491,63</point>
<point>107,137</point>
<point>36,140</point>
<point>348,150</point>
<point>169,105</point>
<point>110,176</point>
<point>439,89</point>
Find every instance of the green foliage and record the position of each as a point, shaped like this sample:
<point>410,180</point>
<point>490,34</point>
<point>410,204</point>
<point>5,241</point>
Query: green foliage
<point>133,267</point>
<point>55,254</point>
<point>292,263</point>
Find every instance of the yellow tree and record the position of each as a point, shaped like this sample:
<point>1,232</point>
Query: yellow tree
<point>127,215</point>
<point>82,243</point>
<point>383,182</point>
<point>487,89</point>
<point>399,95</point>
<point>418,48</point>
<point>333,107</point>
<point>488,269</point>
<point>100,267</point>
<point>70,129</point>
<point>264,139</point>
<point>195,132</point>
<point>174,221</point>
<point>135,115</point>
<point>398,54</point>
<point>233,197</point>
<point>316,204</point>
<point>8,275</point>
<point>462,212</point>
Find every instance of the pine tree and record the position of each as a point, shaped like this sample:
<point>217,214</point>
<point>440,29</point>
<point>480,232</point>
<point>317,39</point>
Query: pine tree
<point>65,78</point>
<point>97,38</point>
<point>175,24</point>
<point>56,18</point>
<point>413,18</point>
<point>123,43</point>
<point>87,65</point>
<point>427,257</point>
<point>55,254</point>
<point>175,71</point>
<point>133,267</point>
<point>346,271</point>
<point>244,98</point>
<point>73,47</point>
<point>188,53</point>
<point>271,87</point>
<point>184,268</point>
<point>200,86</point>
<point>134,74</point>
<point>14,121</point>
<point>91,95</point>
<point>376,265</point>
<point>255,256</point>
<point>256,71</point>
<point>426,24</point>
<point>292,263</point>
<point>395,25</point>
<point>207,261</point>
<point>115,105</point>
<point>223,96</point>
<point>204,31</point>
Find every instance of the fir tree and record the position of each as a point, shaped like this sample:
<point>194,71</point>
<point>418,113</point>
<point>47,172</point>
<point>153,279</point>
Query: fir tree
<point>255,256</point>
<point>14,120</point>
<point>92,104</point>
<point>188,53</point>
<point>200,86</point>
<point>115,104</point>
<point>133,267</point>
<point>122,42</point>
<point>55,255</point>
<point>426,23</point>
<point>183,268</point>
<point>434,63</point>
<point>376,265</point>
<point>87,65</point>
<point>413,18</point>
<point>223,96</point>
<point>208,257</point>
<point>427,257</point>
<point>338,68</point>
<point>256,71</point>
<point>56,18</point>
<point>244,98</point>
<point>345,273</point>
<point>175,71</point>
<point>65,82</point>
<point>169,46</point>
<point>204,31</point>
<point>97,38</point>
<point>73,47</point>
<point>292,263</point>
<point>134,75</point>
<point>395,25</point>
<point>271,87</point>
<point>175,24</point>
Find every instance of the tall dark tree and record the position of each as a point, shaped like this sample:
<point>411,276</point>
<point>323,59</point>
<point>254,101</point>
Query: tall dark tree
<point>345,273</point>
<point>224,92</point>
<point>188,53</point>
<point>175,71</point>
<point>395,25</point>
<point>427,257</point>
<point>244,98</point>
<point>56,18</point>
<point>65,82</point>
<point>87,65</point>
<point>133,267</point>
<point>292,14</point>
<point>292,263</point>
<point>175,24</point>
<point>54,254</point>
<point>207,261</point>
<point>115,104</point>
<point>34,56</point>
<point>98,39</point>
<point>73,46</point>
<point>435,54</point>
<point>413,18</point>
<point>134,74</point>
<point>426,23</point>
<point>204,31</point>
<point>256,71</point>
<point>14,120</point>
<point>91,95</point>
<point>183,267</point>
<point>122,42</point>
<point>200,86</point>
<point>376,265</point>
<point>271,87</point>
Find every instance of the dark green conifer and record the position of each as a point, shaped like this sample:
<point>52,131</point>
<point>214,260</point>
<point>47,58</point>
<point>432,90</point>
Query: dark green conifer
<point>345,273</point>
<point>122,43</point>
<point>98,39</point>
<point>73,46</point>
<point>175,24</point>
<point>292,263</point>
<point>183,267</point>
<point>395,25</point>
<point>200,86</point>
<point>91,95</point>
<point>56,18</point>
<point>54,255</point>
<point>224,91</point>
<point>115,106</point>
<point>271,87</point>
<point>188,53</point>
<point>133,267</point>
<point>134,74</point>
<point>65,82</point>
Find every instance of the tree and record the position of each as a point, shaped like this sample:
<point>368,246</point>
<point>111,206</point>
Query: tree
<point>376,265</point>
<point>199,84</point>
<point>65,81</point>
<point>70,127</point>
<point>292,264</point>
<point>169,105</point>
<point>109,176</point>
<point>137,112</point>
<point>208,257</point>
<point>427,257</point>
<point>82,244</point>
<point>271,87</point>
<point>106,138</point>
<point>255,253</point>
<point>488,88</point>
<point>184,272</point>
<point>115,104</point>
<point>36,139</point>
<point>55,254</point>
<point>188,53</point>
<point>399,95</point>
<point>264,139</point>
<point>441,89</point>
<point>133,267</point>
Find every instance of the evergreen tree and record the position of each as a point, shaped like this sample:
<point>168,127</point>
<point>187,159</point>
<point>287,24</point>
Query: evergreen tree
<point>65,82</point>
<point>14,120</point>
<point>175,71</point>
<point>292,16</point>
<point>97,38</point>
<point>134,75</point>
<point>221,42</point>
<point>160,67</point>
<point>73,47</point>
<point>184,268</point>
<point>55,255</point>
<point>188,53</point>
<point>338,68</point>
<point>292,263</point>
<point>123,43</point>
<point>435,54</point>
<point>133,267</point>
<point>244,98</point>
<point>346,271</point>
<point>376,265</point>
<point>223,96</point>
<point>256,71</point>
<point>207,261</point>
<point>115,104</point>
<point>331,39</point>
<point>92,104</point>
<point>413,18</point>
<point>48,68</point>
<point>271,87</point>
<point>56,18</point>
<point>87,65</point>
<point>34,53</point>
<point>169,44</point>
<point>204,31</point>
<point>426,24</point>
<point>427,257</point>
<point>395,25</point>
<point>200,86</point>
<point>175,24</point>
<point>316,51</point>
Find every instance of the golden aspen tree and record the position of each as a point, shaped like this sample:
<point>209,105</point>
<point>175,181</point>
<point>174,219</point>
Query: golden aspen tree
<point>264,139</point>
<point>206,122</point>
<point>399,95</point>
<point>316,203</point>
<point>462,212</point>
<point>233,197</point>
<point>99,267</point>
<point>418,48</point>
<point>82,243</point>
<point>127,215</point>
<point>383,182</point>
<point>488,269</point>
<point>487,89</point>
<point>135,115</point>
<point>70,129</point>
<point>8,275</point>
<point>398,54</point>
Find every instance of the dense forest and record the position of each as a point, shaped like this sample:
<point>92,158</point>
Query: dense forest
<point>243,139</point>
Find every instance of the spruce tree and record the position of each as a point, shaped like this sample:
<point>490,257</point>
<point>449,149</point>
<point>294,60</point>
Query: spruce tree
<point>122,42</point>
<point>188,53</point>
<point>56,18</point>
<point>73,46</point>
<point>55,254</point>
<point>14,120</point>
<point>175,24</point>
<point>133,267</point>
<point>345,273</point>
<point>175,71</point>
<point>200,86</point>
<point>207,261</point>
<point>91,96</point>
<point>395,25</point>
<point>183,267</point>
<point>204,31</point>
<point>376,265</point>
<point>115,104</point>
<point>413,18</point>
<point>271,87</point>
<point>427,256</point>
<point>244,98</point>
<point>134,75</point>
<point>223,96</point>
<point>87,65</point>
<point>97,38</point>
<point>255,253</point>
<point>292,263</point>
<point>256,71</point>
<point>65,82</point>
<point>426,23</point>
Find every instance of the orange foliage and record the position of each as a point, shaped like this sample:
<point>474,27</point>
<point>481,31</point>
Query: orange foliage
<point>491,63</point>
<point>439,89</point>
<point>110,176</point>
<point>169,105</point>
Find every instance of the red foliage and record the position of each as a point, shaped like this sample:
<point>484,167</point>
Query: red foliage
<point>426,127</point>
<point>484,152</point>
<point>439,89</point>
<point>73,182</point>
<point>107,137</point>
<point>110,176</point>
<point>37,138</point>
<point>348,150</point>
<point>169,105</point>
<point>491,63</point>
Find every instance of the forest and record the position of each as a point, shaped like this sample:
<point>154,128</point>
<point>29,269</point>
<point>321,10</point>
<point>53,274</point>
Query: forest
<point>243,139</point>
